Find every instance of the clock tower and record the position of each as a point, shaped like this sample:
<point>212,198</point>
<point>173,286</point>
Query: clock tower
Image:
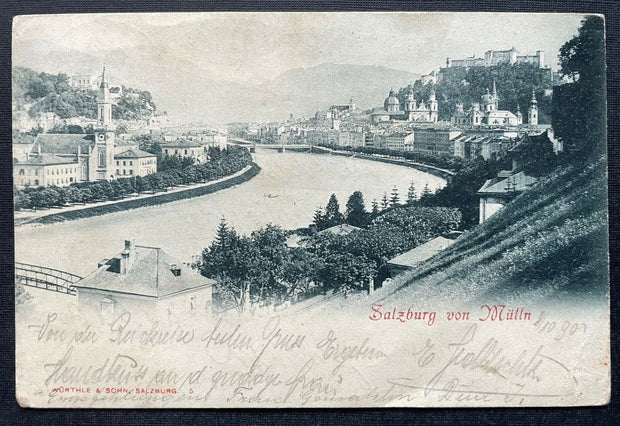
<point>104,134</point>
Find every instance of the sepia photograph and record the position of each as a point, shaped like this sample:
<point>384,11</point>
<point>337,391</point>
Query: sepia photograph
<point>310,209</point>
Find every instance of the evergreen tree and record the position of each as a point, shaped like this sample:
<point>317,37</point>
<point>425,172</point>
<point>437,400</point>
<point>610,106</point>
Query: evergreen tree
<point>375,208</point>
<point>319,219</point>
<point>385,202</point>
<point>394,197</point>
<point>412,196</point>
<point>333,216</point>
<point>426,195</point>
<point>356,214</point>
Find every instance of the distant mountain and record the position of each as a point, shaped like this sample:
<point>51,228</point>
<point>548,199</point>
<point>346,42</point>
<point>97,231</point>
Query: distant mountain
<point>189,93</point>
<point>303,91</point>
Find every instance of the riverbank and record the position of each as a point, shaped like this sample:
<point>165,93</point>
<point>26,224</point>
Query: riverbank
<point>436,171</point>
<point>143,200</point>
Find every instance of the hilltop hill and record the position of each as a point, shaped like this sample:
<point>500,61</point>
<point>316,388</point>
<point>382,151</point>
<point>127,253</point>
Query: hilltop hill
<point>514,86</point>
<point>548,244</point>
<point>37,93</point>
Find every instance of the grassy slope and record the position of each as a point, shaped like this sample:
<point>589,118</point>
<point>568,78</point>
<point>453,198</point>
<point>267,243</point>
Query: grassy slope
<point>549,244</point>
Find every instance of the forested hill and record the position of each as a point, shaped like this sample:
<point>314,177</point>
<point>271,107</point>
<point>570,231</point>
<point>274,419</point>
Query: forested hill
<point>38,93</point>
<point>467,85</point>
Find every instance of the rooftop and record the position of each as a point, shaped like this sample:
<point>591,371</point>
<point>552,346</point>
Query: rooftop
<point>181,143</point>
<point>46,160</point>
<point>422,252</point>
<point>344,229</point>
<point>134,153</point>
<point>62,143</point>
<point>150,273</point>
<point>516,183</point>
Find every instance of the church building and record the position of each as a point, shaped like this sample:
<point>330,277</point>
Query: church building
<point>410,110</point>
<point>488,113</point>
<point>67,158</point>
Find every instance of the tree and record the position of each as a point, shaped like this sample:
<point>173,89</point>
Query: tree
<point>579,107</point>
<point>375,208</point>
<point>412,196</point>
<point>426,193</point>
<point>385,202</point>
<point>319,219</point>
<point>333,216</point>
<point>394,197</point>
<point>356,214</point>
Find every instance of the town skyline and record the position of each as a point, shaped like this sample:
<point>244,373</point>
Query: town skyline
<point>211,60</point>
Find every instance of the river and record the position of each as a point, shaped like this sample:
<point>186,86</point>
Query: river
<point>286,192</point>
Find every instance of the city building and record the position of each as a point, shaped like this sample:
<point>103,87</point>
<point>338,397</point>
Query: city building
<point>146,279</point>
<point>341,110</point>
<point>185,148</point>
<point>135,162</point>
<point>497,57</point>
<point>399,141</point>
<point>45,170</point>
<point>435,139</point>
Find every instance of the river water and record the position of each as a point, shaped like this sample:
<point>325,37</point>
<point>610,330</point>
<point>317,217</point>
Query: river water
<point>286,192</point>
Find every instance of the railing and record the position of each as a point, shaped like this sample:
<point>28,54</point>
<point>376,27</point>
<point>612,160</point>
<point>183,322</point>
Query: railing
<point>46,278</point>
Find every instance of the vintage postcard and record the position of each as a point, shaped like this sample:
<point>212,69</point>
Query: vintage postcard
<point>310,210</point>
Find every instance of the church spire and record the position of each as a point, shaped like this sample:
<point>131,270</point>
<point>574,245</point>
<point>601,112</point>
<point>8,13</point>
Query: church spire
<point>104,83</point>
<point>533,100</point>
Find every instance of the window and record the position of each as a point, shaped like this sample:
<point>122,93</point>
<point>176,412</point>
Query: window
<point>131,172</point>
<point>36,181</point>
<point>21,172</point>
<point>117,162</point>
<point>71,180</point>
<point>131,163</point>
<point>124,171</point>
<point>185,152</point>
<point>101,159</point>
<point>36,172</point>
<point>118,172</point>
<point>124,163</point>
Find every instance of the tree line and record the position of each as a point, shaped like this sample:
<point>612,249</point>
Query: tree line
<point>222,163</point>
<point>264,269</point>
<point>441,160</point>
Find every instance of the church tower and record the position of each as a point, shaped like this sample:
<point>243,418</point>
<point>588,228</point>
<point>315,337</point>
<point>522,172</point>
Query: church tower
<point>532,112</point>
<point>495,96</point>
<point>519,115</point>
<point>103,154</point>
<point>410,101</point>
<point>433,106</point>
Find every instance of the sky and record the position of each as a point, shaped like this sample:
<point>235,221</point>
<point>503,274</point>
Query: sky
<point>252,47</point>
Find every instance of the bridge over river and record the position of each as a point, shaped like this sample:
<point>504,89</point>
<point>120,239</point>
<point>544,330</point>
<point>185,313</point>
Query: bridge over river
<point>277,147</point>
<point>46,278</point>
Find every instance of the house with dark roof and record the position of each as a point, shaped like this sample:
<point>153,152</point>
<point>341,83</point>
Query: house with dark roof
<point>143,278</point>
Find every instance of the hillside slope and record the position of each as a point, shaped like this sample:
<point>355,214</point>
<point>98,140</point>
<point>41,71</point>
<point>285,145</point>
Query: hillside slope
<point>548,246</point>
